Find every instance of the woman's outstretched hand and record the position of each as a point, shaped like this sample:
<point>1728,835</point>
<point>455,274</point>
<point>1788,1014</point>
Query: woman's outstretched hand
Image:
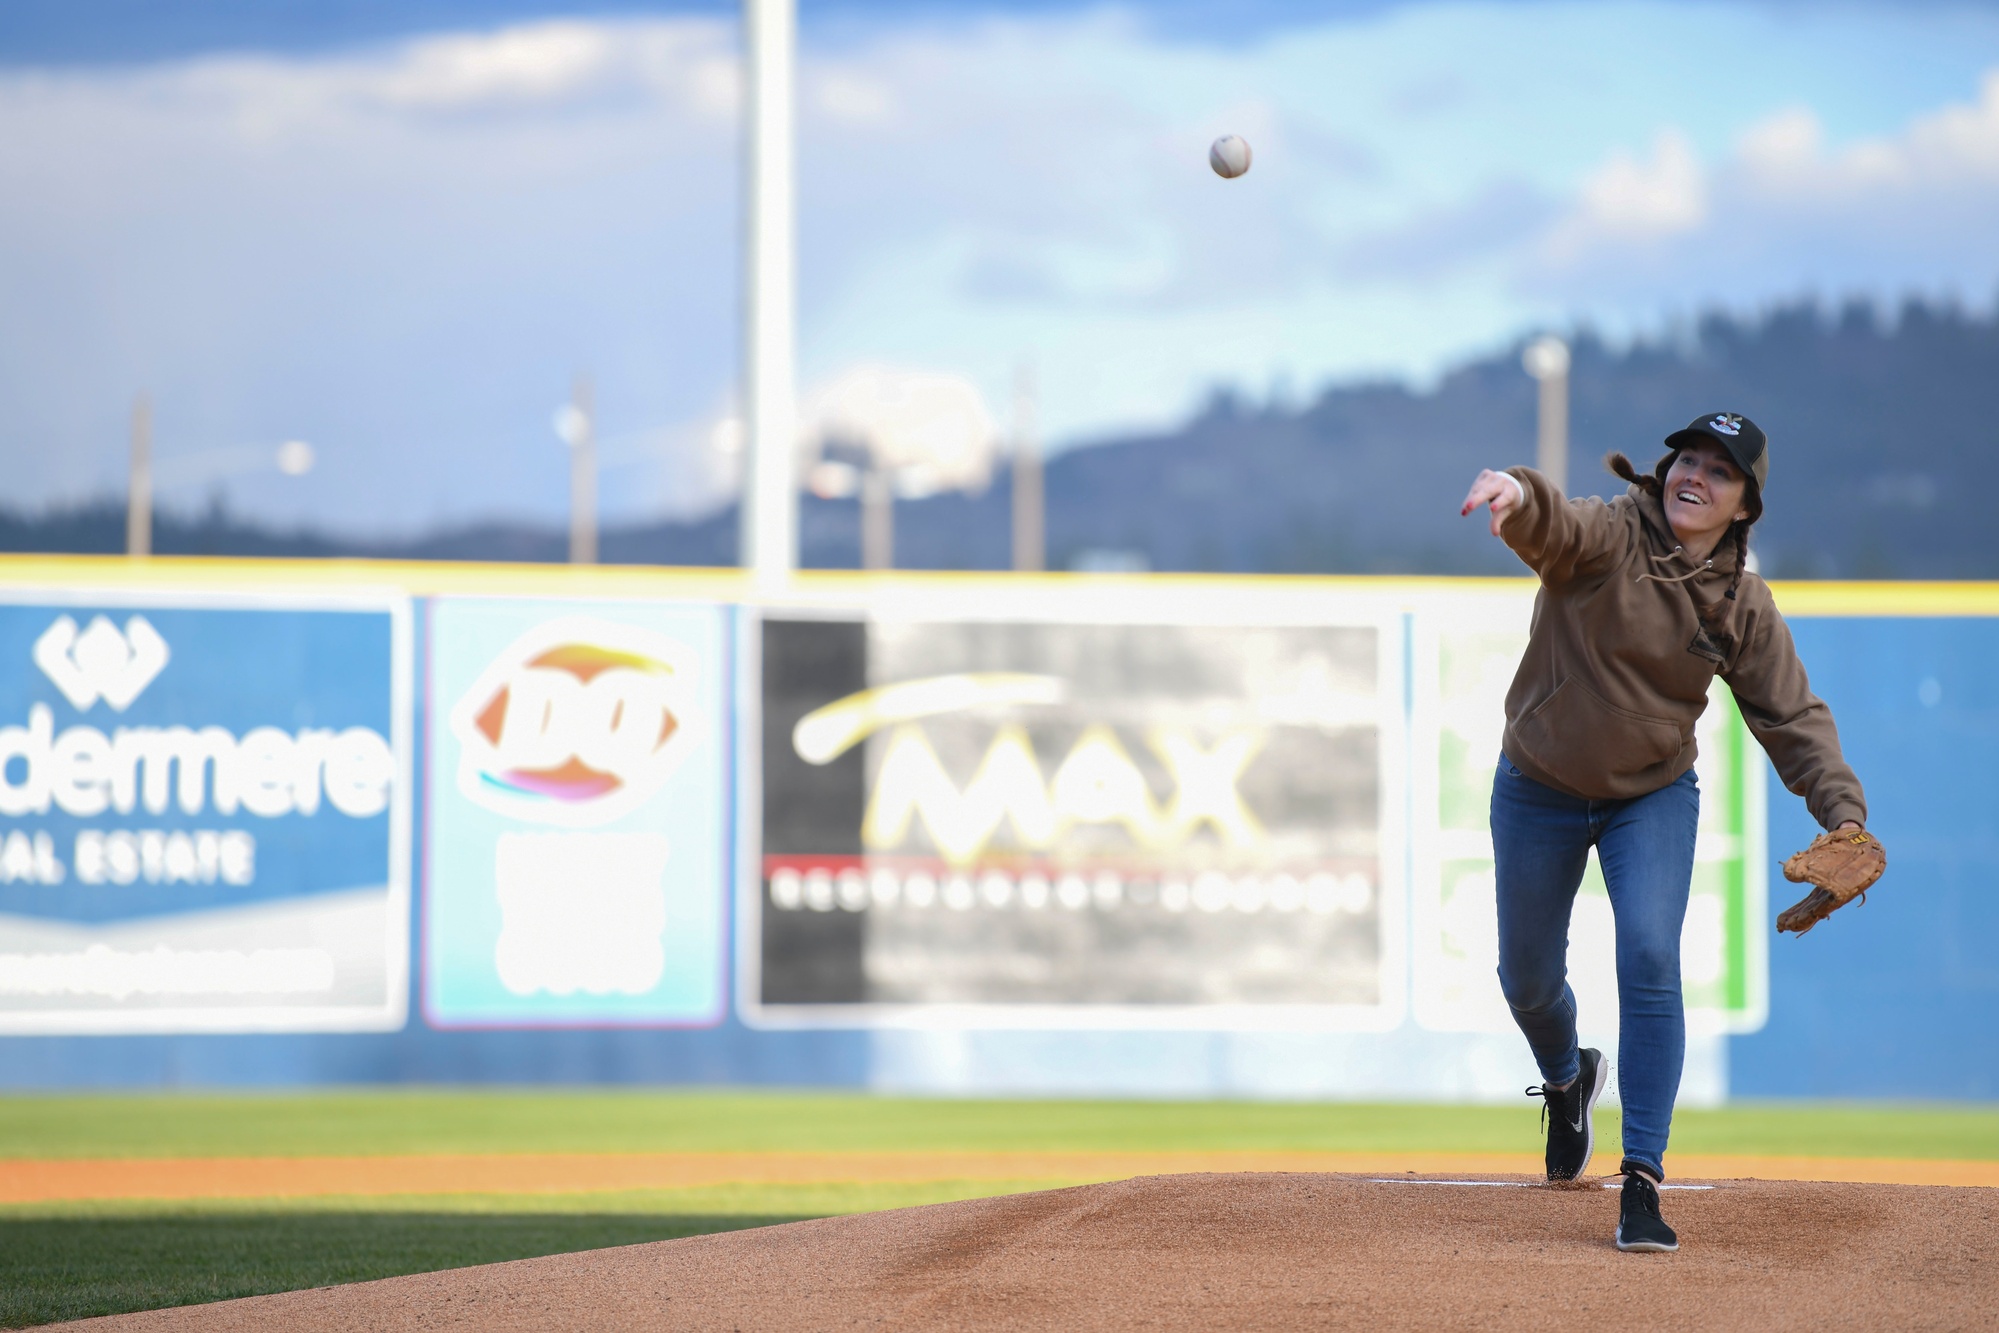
<point>1496,489</point>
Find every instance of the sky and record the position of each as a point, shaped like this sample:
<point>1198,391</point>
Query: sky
<point>400,232</point>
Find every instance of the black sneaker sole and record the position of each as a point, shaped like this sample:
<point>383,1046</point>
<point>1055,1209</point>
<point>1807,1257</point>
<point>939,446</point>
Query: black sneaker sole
<point>1644,1246</point>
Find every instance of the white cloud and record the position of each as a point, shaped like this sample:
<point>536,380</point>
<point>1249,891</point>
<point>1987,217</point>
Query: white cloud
<point>1784,210</point>
<point>935,427</point>
<point>542,63</point>
<point>1772,147</point>
<point>1641,199</point>
<point>1957,141</point>
<point>689,64</point>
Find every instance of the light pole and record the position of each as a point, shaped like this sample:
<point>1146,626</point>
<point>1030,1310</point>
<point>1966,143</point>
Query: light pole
<point>877,515</point>
<point>1030,524</point>
<point>139,482</point>
<point>1547,360</point>
<point>770,493</point>
<point>576,425</point>
<point>147,474</point>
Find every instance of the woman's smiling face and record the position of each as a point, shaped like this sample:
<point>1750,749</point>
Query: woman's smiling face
<point>1704,493</point>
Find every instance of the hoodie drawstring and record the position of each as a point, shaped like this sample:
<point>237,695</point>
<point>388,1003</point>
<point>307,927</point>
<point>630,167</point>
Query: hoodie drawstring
<point>1675,553</point>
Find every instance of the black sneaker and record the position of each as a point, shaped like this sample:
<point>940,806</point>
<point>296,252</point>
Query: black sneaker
<point>1571,1132</point>
<point>1639,1226</point>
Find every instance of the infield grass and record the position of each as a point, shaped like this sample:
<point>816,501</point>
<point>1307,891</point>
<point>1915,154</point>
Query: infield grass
<point>67,1260</point>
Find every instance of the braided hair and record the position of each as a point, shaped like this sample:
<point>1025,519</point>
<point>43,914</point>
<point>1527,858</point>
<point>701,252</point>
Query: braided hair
<point>1654,483</point>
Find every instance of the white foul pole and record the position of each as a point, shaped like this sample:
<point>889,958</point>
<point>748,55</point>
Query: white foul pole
<point>770,409</point>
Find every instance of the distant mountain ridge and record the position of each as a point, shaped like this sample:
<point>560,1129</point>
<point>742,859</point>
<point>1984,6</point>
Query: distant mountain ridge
<point>1882,432</point>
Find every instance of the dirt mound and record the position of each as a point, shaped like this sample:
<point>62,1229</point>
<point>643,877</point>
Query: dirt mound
<point>1237,1251</point>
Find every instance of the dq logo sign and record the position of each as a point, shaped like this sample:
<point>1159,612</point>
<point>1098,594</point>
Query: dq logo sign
<point>579,722</point>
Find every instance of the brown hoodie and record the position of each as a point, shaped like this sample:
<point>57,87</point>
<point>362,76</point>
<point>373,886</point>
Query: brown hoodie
<point>1620,660</point>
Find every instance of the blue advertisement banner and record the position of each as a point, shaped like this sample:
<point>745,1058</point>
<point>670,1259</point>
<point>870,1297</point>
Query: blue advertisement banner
<point>577,832</point>
<point>204,819</point>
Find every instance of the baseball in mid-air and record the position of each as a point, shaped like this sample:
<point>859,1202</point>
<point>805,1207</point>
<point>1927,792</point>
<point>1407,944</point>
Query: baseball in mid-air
<point>1229,155</point>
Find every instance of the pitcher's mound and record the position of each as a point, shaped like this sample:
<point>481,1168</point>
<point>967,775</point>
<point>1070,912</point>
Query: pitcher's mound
<point>1237,1251</point>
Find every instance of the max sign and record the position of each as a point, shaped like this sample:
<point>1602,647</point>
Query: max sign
<point>1097,782</point>
<point>1128,817</point>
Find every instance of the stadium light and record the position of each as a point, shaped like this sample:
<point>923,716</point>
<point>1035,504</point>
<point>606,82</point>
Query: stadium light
<point>147,475</point>
<point>296,458</point>
<point>770,500</point>
<point>1547,360</point>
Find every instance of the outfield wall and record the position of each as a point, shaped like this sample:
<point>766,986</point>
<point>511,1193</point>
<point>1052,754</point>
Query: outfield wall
<point>305,822</point>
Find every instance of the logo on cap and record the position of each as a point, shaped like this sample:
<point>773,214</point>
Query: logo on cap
<point>577,723</point>
<point>1727,423</point>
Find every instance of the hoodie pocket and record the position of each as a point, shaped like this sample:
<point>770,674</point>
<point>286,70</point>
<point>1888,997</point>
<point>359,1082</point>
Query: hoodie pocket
<point>1593,746</point>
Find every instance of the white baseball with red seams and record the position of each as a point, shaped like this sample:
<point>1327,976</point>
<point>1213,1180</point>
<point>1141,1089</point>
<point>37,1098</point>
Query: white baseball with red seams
<point>1229,155</point>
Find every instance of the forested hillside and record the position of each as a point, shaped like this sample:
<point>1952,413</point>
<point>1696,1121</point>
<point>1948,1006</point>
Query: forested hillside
<point>1882,429</point>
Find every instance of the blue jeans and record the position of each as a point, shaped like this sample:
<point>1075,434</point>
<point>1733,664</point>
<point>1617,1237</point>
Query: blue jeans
<point>1541,840</point>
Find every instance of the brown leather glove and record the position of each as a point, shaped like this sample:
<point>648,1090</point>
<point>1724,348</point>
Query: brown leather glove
<point>1841,866</point>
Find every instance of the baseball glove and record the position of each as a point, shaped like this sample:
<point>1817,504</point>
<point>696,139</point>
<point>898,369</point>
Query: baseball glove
<point>1840,866</point>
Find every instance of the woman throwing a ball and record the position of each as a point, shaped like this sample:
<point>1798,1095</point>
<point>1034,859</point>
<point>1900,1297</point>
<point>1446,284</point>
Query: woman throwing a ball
<point>1643,601</point>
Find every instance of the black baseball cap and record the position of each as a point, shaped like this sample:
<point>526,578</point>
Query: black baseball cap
<point>1743,438</point>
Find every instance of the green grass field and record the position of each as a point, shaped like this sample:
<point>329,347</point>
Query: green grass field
<point>68,1260</point>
